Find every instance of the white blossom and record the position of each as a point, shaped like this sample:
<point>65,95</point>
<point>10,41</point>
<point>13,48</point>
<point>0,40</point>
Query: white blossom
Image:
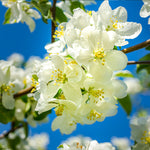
<point>121,143</point>
<point>140,132</point>
<point>145,10</point>
<point>133,85</point>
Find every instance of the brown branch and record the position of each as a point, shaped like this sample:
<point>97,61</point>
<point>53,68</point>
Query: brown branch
<point>23,92</point>
<point>139,62</point>
<point>53,11</point>
<point>136,47</point>
<point>3,135</point>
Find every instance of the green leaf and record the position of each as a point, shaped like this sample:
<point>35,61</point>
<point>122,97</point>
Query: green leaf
<point>60,16</point>
<point>60,146</point>
<point>14,142</point>
<point>76,4</point>
<point>26,129</point>
<point>35,77</point>
<point>124,74</point>
<point>7,16</point>
<point>148,48</point>
<point>6,115</point>
<point>43,6</point>
<point>126,104</point>
<point>142,66</point>
<point>115,48</point>
<point>41,116</point>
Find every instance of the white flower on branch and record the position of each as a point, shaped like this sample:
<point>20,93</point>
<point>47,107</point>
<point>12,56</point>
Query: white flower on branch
<point>19,11</point>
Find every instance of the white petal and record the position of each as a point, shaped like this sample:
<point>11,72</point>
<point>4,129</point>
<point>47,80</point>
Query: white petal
<point>8,101</point>
<point>130,30</point>
<point>63,123</point>
<point>116,60</point>
<point>120,88</point>
<point>120,13</point>
<point>145,11</point>
<point>105,11</point>
<point>72,92</point>
<point>58,62</point>
<point>100,73</point>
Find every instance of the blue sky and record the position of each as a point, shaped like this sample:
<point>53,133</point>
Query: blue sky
<point>17,38</point>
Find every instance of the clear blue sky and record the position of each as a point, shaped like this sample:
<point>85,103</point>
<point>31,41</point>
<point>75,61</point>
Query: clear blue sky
<point>17,38</point>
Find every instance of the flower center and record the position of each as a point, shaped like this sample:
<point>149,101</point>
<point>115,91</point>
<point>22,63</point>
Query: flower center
<point>146,138</point>
<point>59,110</point>
<point>58,77</point>
<point>99,54</point>
<point>89,13</point>
<point>114,24</point>
<point>7,88</point>
<point>34,84</point>
<point>97,94</point>
<point>94,115</point>
<point>59,33</point>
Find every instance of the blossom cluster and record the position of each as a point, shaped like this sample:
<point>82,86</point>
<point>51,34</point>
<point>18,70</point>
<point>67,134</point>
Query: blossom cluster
<point>140,132</point>
<point>20,11</point>
<point>76,79</point>
<point>35,142</point>
<point>14,78</point>
<point>85,143</point>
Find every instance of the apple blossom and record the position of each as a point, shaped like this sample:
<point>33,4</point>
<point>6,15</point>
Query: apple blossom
<point>145,10</point>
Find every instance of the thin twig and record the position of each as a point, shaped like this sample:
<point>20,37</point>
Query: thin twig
<point>23,92</point>
<point>136,47</point>
<point>53,11</point>
<point>139,62</point>
<point>3,135</point>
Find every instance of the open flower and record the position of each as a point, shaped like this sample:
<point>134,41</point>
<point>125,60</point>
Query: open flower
<point>145,10</point>
<point>21,12</point>
<point>8,87</point>
<point>116,20</point>
<point>140,132</point>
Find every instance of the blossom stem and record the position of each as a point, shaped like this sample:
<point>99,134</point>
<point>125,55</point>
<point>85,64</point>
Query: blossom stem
<point>3,135</point>
<point>136,47</point>
<point>53,11</point>
<point>23,92</point>
<point>139,62</point>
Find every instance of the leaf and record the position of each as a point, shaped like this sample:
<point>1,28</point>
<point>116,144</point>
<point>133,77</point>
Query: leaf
<point>6,115</point>
<point>142,66</point>
<point>148,48</point>
<point>43,6</point>
<point>115,48</point>
<point>60,16</point>
<point>126,104</point>
<point>35,77</point>
<point>124,74</point>
<point>60,146</point>
<point>26,129</point>
<point>76,4</point>
<point>43,115</point>
<point>7,16</point>
<point>14,142</point>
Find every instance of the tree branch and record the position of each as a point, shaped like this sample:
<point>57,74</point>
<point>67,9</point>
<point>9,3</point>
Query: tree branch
<point>23,92</point>
<point>3,135</point>
<point>139,62</point>
<point>136,47</point>
<point>53,11</point>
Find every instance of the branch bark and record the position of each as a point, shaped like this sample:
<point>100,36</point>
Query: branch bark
<point>53,11</point>
<point>23,92</point>
<point>136,47</point>
<point>10,131</point>
<point>139,62</point>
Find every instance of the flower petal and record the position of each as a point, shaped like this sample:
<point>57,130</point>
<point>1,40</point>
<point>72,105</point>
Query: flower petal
<point>116,60</point>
